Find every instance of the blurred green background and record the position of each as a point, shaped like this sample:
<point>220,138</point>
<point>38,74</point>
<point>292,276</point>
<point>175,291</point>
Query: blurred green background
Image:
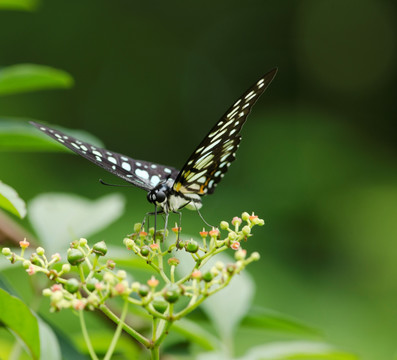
<point>317,159</point>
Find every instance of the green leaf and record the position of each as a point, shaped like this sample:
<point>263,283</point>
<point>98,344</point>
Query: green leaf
<point>18,135</point>
<point>59,219</point>
<point>26,5</point>
<point>16,316</point>
<point>195,333</point>
<point>29,77</point>
<point>49,346</point>
<point>271,320</point>
<point>297,350</point>
<point>10,201</point>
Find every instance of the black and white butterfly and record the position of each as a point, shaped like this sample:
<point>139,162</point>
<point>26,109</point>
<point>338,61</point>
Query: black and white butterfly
<point>169,188</point>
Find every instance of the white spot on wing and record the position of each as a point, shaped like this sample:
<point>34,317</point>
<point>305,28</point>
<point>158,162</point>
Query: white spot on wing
<point>112,159</point>
<point>97,153</point>
<point>153,166</point>
<point>154,180</point>
<point>168,171</point>
<point>76,146</point>
<point>142,173</point>
<point>126,166</point>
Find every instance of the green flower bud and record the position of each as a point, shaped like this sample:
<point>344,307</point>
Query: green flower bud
<point>75,256</point>
<point>121,274</point>
<point>145,251</point>
<point>231,269</point>
<point>192,246</point>
<point>240,254</point>
<point>135,286</point>
<point>110,264</point>
<point>6,251</point>
<point>246,230</point>
<point>219,265</point>
<point>83,242</point>
<point>129,243</point>
<point>232,235</point>
<point>91,284</point>
<point>66,268</point>
<point>138,227</point>
<point>47,292</point>
<point>100,248</point>
<point>26,264</point>
<point>40,251</point>
<point>224,225</point>
<point>108,278</point>
<point>208,276</point>
<point>160,304</point>
<point>245,216</point>
<point>72,285</point>
<point>260,222</point>
<point>255,256</point>
<point>180,245</point>
<point>143,290</point>
<point>172,293</point>
<point>34,259</point>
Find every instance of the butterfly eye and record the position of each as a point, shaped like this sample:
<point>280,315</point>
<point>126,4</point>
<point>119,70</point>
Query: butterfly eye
<point>151,197</point>
<point>160,196</point>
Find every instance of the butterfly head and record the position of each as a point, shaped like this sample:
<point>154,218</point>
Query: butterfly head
<point>159,194</point>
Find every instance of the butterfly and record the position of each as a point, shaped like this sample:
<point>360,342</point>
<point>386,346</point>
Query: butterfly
<point>167,188</point>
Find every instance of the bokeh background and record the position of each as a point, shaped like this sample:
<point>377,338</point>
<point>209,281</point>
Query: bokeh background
<point>318,155</point>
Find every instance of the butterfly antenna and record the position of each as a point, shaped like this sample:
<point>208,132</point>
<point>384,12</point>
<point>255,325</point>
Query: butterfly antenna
<point>155,222</point>
<point>201,216</point>
<point>116,185</point>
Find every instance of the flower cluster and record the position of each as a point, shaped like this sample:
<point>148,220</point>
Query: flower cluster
<point>87,280</point>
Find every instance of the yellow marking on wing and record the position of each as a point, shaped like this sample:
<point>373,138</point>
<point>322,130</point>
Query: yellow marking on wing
<point>177,186</point>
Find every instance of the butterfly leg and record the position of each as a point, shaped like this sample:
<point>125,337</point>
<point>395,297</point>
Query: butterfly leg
<point>179,226</point>
<point>146,218</point>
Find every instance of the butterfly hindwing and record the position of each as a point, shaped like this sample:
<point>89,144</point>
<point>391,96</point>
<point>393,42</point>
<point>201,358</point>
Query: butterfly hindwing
<point>142,174</point>
<point>211,159</point>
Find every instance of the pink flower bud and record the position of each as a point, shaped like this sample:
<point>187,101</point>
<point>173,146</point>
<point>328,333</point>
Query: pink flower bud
<point>196,274</point>
<point>31,270</point>
<point>79,305</point>
<point>56,287</point>
<point>235,245</point>
<point>120,288</point>
<point>214,233</point>
<point>24,244</point>
<point>152,282</point>
<point>236,221</point>
<point>56,256</point>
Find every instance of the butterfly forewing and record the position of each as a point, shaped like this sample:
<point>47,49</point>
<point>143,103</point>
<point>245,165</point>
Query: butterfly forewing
<point>142,174</point>
<point>211,159</point>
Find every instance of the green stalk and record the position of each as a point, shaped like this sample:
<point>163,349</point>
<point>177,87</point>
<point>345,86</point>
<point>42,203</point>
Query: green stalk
<point>86,337</point>
<point>118,332</point>
<point>135,334</point>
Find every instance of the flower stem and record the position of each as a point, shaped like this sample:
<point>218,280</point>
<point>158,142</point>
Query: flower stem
<point>118,332</point>
<point>86,337</point>
<point>135,334</point>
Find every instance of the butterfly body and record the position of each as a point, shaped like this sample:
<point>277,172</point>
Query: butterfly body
<point>167,187</point>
